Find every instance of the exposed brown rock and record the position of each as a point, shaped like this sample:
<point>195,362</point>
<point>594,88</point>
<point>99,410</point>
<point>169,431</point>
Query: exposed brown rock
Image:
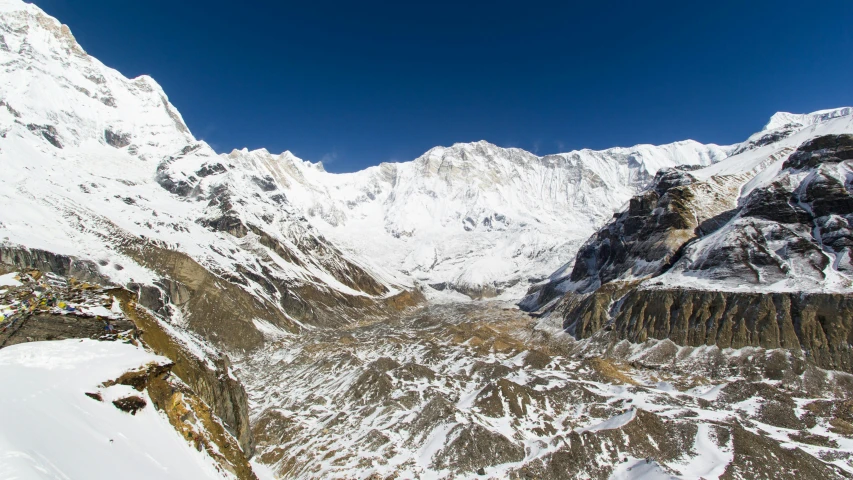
<point>131,404</point>
<point>758,457</point>
<point>779,414</point>
<point>605,370</point>
<point>95,396</point>
<point>371,387</point>
<point>473,447</point>
<point>195,421</point>
<point>506,397</point>
<point>224,393</point>
<point>414,371</point>
<point>536,359</point>
<point>595,454</point>
<point>820,325</point>
<point>790,229</point>
<point>47,326</point>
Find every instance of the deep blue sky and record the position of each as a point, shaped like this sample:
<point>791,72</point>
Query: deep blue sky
<point>358,83</point>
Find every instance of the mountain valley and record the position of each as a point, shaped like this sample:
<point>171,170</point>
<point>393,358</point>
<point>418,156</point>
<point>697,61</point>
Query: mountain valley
<point>650,312</point>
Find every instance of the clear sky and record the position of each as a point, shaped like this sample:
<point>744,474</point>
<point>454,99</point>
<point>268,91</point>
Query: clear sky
<point>358,83</point>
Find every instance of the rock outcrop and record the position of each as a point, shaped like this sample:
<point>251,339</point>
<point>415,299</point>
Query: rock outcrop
<point>46,306</point>
<point>42,260</point>
<point>188,413</point>
<point>61,308</point>
<point>210,376</point>
<point>817,325</point>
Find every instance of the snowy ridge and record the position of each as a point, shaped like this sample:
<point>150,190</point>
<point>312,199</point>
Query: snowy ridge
<point>782,119</point>
<point>703,210</point>
<point>87,156</point>
<point>472,217</point>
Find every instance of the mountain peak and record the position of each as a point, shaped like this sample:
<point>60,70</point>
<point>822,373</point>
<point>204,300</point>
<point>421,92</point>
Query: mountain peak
<point>461,147</point>
<point>780,119</point>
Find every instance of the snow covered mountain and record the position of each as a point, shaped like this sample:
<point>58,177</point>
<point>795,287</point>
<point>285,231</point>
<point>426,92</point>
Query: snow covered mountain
<point>754,250</point>
<point>475,218</point>
<point>472,217</point>
<point>103,168</point>
<point>90,160</point>
<point>694,207</point>
<point>786,121</point>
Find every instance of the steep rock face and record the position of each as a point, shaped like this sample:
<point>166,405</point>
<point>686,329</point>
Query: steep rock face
<point>216,310</point>
<point>66,266</point>
<point>81,408</point>
<point>208,383</point>
<point>818,324</point>
<point>209,376</point>
<point>709,214</point>
<point>753,251</point>
<point>649,235</point>
<point>651,231</point>
<point>191,416</point>
<point>793,231</point>
<point>202,367</point>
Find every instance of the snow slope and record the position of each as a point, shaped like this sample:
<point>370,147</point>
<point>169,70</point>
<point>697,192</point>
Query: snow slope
<point>92,165</point>
<point>52,430</point>
<point>473,217</point>
<point>784,119</point>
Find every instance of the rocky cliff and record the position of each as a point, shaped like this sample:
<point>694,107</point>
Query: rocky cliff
<point>209,376</point>
<point>753,251</point>
<point>815,325</point>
